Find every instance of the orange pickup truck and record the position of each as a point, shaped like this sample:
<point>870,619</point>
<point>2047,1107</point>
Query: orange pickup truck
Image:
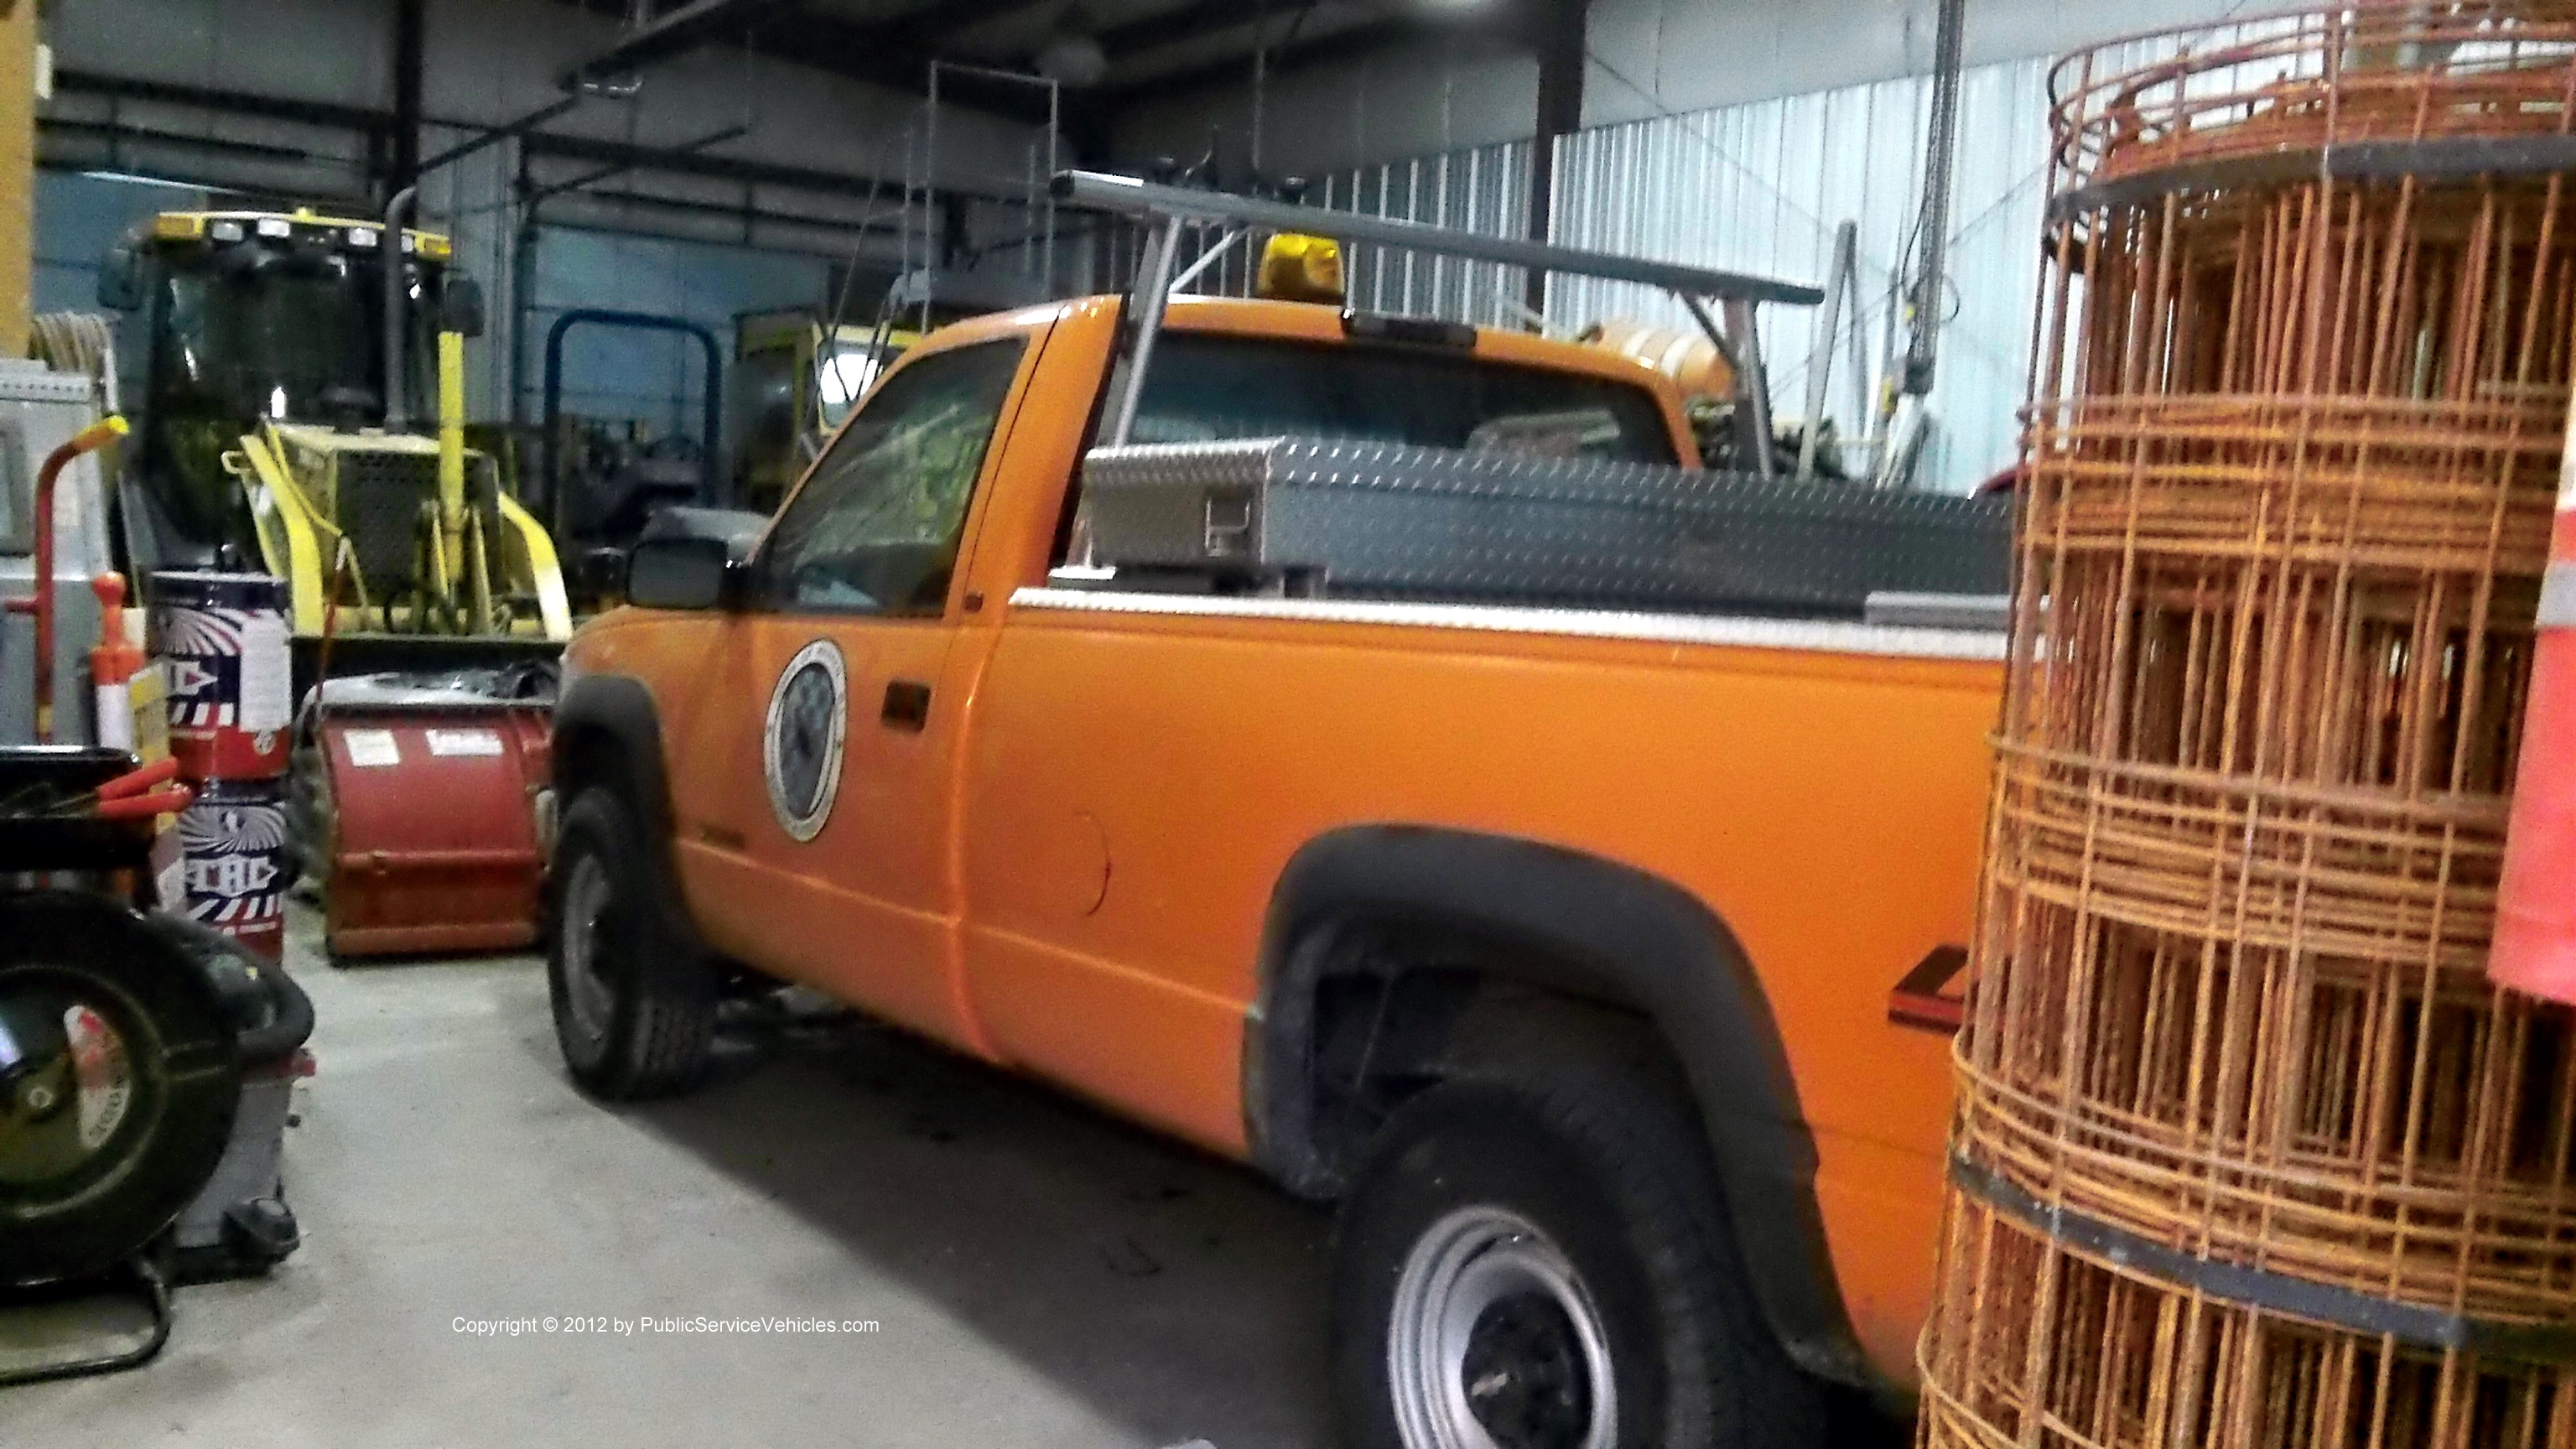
<point>1589,957</point>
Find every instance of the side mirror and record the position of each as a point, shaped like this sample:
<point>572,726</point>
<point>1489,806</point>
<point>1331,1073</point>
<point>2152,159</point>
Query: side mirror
<point>601,570</point>
<point>680,573</point>
<point>120,279</point>
<point>460,308</point>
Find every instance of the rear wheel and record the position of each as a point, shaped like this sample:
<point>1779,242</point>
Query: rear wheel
<point>634,998</point>
<point>1542,1262</point>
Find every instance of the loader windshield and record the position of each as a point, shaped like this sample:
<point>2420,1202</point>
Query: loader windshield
<point>252,331</point>
<point>286,337</point>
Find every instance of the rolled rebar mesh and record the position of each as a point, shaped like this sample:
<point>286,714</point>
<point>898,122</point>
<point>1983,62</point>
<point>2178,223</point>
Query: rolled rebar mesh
<point>2302,1173</point>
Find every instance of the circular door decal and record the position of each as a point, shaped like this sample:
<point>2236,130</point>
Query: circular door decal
<point>801,748</point>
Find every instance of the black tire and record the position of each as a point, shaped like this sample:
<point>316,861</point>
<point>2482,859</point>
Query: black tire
<point>1612,1175</point>
<point>91,1171</point>
<point>634,996</point>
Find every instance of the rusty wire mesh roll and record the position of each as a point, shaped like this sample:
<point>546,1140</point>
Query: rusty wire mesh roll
<point>2288,481</point>
<point>2122,1359</point>
<point>2288,84</point>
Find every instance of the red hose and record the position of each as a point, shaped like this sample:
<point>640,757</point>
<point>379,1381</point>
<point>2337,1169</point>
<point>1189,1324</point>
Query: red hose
<point>135,782</point>
<point>141,807</point>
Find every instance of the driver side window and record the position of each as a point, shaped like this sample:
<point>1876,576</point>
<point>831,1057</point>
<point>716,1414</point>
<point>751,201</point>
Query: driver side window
<point>877,528</point>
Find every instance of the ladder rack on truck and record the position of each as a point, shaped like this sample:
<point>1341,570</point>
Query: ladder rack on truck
<point>1358,518</point>
<point>1168,210</point>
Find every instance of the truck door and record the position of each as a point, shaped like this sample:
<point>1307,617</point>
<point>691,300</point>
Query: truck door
<point>846,718</point>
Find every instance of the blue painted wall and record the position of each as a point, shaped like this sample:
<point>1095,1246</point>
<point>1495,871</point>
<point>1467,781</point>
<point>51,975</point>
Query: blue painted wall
<point>78,218</point>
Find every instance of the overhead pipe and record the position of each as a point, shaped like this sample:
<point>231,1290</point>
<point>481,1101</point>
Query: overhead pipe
<point>687,28</point>
<point>499,134</point>
<point>593,177</point>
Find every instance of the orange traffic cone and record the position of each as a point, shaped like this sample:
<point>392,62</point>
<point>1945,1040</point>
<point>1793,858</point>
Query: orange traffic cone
<point>113,665</point>
<point>2535,936</point>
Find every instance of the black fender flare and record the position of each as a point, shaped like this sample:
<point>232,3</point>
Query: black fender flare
<point>616,711</point>
<point>1606,930</point>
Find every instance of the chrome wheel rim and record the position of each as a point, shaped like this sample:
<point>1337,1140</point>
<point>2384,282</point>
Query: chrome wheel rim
<point>1495,1343</point>
<point>586,991</point>
<point>68,1086</point>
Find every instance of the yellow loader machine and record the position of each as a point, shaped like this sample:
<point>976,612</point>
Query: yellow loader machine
<point>792,388</point>
<point>303,416</point>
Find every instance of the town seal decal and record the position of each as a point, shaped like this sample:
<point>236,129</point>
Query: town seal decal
<point>800,750</point>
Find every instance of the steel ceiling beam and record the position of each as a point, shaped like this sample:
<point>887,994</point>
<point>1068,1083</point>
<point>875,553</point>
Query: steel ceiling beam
<point>1190,22</point>
<point>1536,26</point>
<point>696,24</point>
<point>744,171</point>
<point>240,103</point>
<point>894,54</point>
<point>924,28</point>
<point>1306,53</point>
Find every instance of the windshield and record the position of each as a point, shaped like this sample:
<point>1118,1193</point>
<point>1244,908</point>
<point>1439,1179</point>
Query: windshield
<point>1207,388</point>
<point>274,335</point>
<point>249,332</point>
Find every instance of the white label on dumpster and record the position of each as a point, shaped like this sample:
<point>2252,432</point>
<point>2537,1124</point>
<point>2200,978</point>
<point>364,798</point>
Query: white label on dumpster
<point>464,742</point>
<point>372,749</point>
<point>267,693</point>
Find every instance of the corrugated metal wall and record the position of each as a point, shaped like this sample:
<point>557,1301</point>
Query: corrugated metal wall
<point>1483,190</point>
<point>1760,187</point>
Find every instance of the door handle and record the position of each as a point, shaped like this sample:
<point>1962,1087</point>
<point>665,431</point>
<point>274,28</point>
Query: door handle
<point>907,706</point>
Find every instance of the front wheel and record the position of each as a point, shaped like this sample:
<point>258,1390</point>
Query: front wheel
<point>1544,1263</point>
<point>634,998</point>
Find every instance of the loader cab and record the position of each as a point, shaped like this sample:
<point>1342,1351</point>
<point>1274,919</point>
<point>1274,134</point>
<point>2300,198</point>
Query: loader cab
<point>249,317</point>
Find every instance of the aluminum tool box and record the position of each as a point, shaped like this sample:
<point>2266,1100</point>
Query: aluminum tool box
<point>1356,519</point>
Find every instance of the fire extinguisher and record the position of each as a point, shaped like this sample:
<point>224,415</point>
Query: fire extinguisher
<point>2535,936</point>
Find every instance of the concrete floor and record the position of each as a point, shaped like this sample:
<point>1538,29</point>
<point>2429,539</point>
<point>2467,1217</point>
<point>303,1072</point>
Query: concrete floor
<point>1039,1274</point>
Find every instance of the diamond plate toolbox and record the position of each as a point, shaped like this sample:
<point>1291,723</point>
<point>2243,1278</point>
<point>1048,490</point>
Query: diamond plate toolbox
<point>1383,520</point>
